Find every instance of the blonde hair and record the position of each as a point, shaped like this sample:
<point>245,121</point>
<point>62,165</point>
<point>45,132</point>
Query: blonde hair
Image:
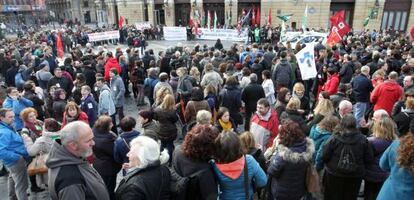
<point>384,128</point>
<point>160,95</point>
<point>195,73</point>
<point>168,102</point>
<point>247,141</point>
<point>324,107</point>
<point>409,103</point>
<point>298,87</point>
<point>293,104</point>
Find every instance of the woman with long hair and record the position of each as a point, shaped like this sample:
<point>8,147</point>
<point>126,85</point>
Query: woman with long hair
<point>166,115</point>
<point>59,104</point>
<point>398,160</point>
<point>383,133</point>
<point>73,113</point>
<point>193,157</point>
<point>283,97</point>
<point>324,107</point>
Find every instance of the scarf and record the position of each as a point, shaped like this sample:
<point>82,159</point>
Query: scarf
<point>226,125</point>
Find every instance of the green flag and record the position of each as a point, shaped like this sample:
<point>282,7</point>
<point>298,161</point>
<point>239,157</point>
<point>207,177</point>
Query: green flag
<point>305,19</point>
<point>284,18</point>
<point>366,20</point>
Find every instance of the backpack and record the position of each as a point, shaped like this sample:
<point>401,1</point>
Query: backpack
<point>18,80</point>
<point>347,161</point>
<point>149,89</point>
<point>185,187</point>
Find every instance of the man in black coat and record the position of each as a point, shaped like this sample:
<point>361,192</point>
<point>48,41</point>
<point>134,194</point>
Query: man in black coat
<point>60,82</point>
<point>346,71</point>
<point>250,95</point>
<point>268,57</point>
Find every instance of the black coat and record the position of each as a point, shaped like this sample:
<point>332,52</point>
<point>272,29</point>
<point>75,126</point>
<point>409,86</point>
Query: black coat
<point>295,116</point>
<point>361,88</point>
<point>360,147</point>
<point>250,95</point>
<point>230,97</point>
<point>150,183</point>
<point>90,76</point>
<point>346,72</point>
<point>103,151</point>
<point>185,167</point>
<point>37,103</point>
<point>167,120</point>
<point>402,120</point>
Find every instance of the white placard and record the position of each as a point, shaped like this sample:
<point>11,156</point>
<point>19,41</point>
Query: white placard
<point>142,25</point>
<point>222,34</point>
<point>175,33</point>
<point>306,61</point>
<point>107,35</point>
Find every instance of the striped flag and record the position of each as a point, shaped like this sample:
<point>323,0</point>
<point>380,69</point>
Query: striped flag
<point>209,19</point>
<point>215,20</point>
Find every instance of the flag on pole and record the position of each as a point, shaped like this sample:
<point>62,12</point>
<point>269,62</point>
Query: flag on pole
<point>215,20</point>
<point>339,28</point>
<point>284,18</point>
<point>59,45</point>
<point>230,15</point>
<point>306,62</point>
<point>209,20</point>
<point>282,31</point>
<point>269,17</point>
<point>305,19</point>
<point>366,20</point>
<point>258,16</point>
<point>121,22</point>
<point>254,16</point>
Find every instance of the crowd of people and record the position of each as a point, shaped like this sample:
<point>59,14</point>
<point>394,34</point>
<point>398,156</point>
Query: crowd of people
<point>210,122</point>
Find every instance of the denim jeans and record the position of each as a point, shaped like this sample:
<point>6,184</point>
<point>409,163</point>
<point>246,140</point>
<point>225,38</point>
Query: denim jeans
<point>18,180</point>
<point>359,111</point>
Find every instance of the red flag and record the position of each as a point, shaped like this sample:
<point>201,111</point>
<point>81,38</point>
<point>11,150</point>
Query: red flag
<point>121,22</point>
<point>258,16</point>
<point>59,45</point>
<point>269,17</point>
<point>339,28</point>
<point>412,33</point>
<point>254,17</point>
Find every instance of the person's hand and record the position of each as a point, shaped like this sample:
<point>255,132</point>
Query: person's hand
<point>126,166</point>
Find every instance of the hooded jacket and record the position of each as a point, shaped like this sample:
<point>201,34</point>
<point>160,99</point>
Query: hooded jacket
<point>71,177</point>
<point>106,104</point>
<point>111,63</point>
<point>231,178</point>
<point>288,169</point>
<point>385,95</point>
<point>319,137</point>
<point>265,128</point>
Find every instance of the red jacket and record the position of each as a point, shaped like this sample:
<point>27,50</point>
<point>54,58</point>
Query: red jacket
<point>331,85</point>
<point>265,128</point>
<point>111,63</point>
<point>82,117</point>
<point>385,95</point>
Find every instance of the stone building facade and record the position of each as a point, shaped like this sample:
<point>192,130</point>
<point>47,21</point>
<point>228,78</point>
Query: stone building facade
<point>384,13</point>
<point>83,11</point>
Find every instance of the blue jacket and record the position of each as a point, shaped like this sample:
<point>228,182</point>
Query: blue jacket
<point>17,106</point>
<point>233,189</point>
<point>361,88</point>
<point>120,148</point>
<point>90,107</point>
<point>288,169</point>
<point>319,137</point>
<point>11,146</point>
<point>399,185</point>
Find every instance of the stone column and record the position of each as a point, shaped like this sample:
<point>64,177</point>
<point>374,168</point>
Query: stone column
<point>151,16</point>
<point>170,13</point>
<point>410,23</point>
<point>77,11</point>
<point>110,12</point>
<point>230,6</point>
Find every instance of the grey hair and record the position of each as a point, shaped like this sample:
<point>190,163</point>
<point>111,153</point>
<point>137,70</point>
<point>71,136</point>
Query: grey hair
<point>203,117</point>
<point>365,69</point>
<point>148,151</point>
<point>71,131</point>
<point>253,77</point>
<point>344,103</point>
